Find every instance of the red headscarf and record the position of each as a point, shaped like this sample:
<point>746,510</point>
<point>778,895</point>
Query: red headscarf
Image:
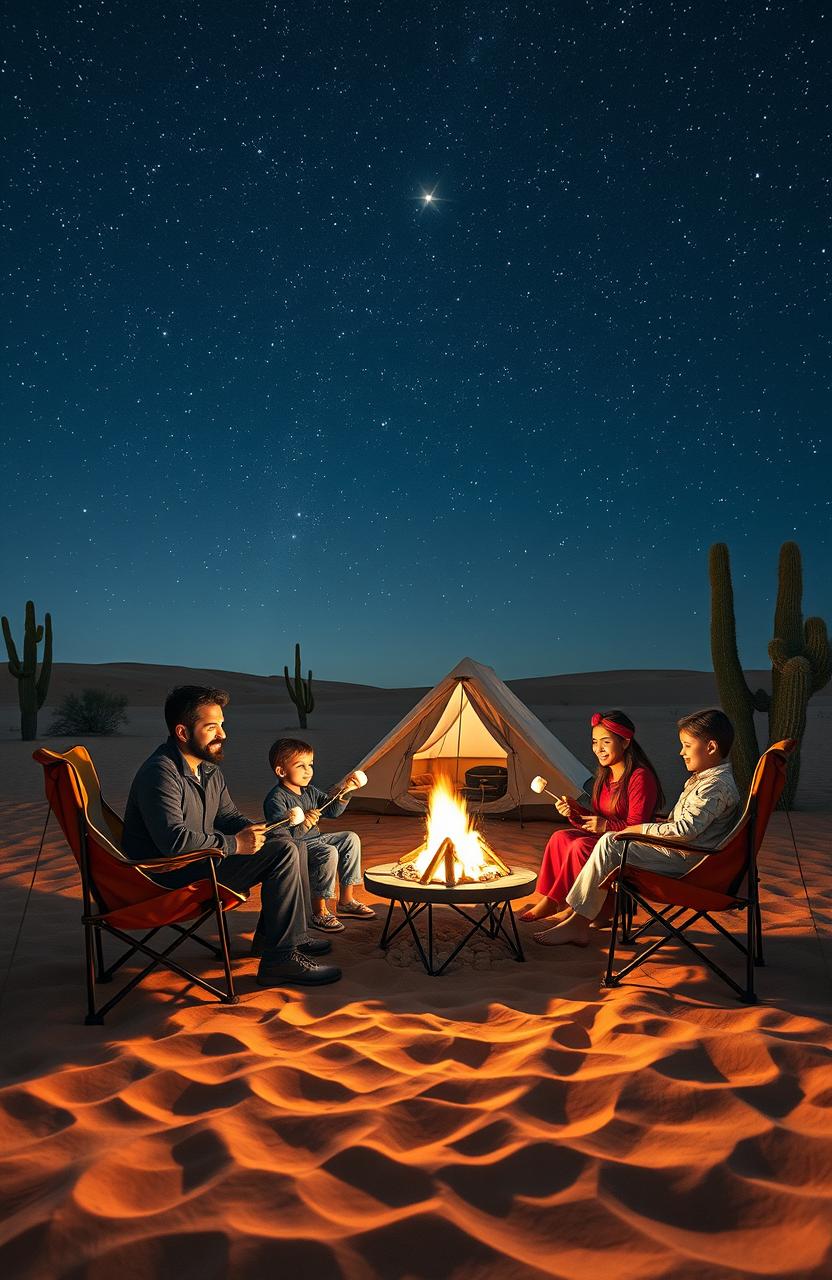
<point>620,730</point>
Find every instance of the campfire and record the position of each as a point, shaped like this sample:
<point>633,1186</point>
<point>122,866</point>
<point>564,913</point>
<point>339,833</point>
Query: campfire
<point>453,852</point>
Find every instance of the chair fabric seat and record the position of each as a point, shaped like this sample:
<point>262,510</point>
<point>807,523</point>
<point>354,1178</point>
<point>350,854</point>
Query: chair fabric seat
<point>172,906</point>
<point>678,891</point>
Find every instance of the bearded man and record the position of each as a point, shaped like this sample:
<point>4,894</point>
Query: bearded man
<point>179,803</point>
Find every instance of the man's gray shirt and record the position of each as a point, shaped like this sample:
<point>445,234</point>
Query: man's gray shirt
<point>171,811</point>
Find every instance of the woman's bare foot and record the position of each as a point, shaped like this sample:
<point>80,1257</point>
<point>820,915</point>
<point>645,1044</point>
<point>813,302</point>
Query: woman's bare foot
<point>541,910</point>
<point>573,929</point>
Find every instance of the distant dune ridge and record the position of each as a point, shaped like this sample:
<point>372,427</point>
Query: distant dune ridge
<point>506,1120</point>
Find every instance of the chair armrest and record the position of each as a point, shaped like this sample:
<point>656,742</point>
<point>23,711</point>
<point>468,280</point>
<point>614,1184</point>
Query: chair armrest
<point>180,860</point>
<point>663,842</point>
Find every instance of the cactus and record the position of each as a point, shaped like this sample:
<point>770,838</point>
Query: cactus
<point>800,665</point>
<point>300,690</point>
<point>31,687</point>
<point>800,662</point>
<point>738,702</point>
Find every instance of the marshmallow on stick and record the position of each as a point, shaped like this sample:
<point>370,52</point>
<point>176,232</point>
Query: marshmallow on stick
<point>360,778</point>
<point>293,818</point>
<point>539,785</point>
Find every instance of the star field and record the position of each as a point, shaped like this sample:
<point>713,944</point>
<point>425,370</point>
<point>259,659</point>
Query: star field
<point>258,388</point>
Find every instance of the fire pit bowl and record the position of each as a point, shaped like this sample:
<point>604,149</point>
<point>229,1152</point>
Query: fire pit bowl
<point>493,899</point>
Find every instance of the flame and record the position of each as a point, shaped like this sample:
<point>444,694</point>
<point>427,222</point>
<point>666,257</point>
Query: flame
<point>449,819</point>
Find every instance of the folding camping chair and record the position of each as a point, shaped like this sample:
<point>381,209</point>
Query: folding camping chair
<point>723,879</point>
<point>119,895</point>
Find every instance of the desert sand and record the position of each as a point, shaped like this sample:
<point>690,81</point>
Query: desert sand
<point>504,1120</point>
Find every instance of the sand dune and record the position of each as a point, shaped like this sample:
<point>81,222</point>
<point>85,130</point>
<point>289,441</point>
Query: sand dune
<point>505,1120</point>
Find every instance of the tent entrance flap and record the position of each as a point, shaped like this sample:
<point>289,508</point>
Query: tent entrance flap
<point>459,742</point>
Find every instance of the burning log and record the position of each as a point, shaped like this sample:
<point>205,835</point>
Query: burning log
<point>445,853</point>
<point>412,856</point>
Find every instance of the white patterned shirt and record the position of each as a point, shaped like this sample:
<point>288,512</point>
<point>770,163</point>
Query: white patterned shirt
<point>706,810</point>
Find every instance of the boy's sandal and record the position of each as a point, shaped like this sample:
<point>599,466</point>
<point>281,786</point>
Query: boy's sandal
<point>356,910</point>
<point>327,923</point>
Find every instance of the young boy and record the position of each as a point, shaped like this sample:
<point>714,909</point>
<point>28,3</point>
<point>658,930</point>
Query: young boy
<point>703,815</point>
<point>337,852</point>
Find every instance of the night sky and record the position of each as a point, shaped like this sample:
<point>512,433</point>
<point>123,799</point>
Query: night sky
<point>259,389</point>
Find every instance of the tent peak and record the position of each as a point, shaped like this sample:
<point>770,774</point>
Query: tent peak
<point>468,667</point>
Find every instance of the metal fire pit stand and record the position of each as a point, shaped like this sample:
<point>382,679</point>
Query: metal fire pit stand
<point>492,897</point>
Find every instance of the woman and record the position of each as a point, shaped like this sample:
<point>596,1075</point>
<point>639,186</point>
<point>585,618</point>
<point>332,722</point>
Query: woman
<point>626,791</point>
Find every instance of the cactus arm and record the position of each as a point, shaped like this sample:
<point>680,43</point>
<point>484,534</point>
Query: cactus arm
<point>30,643</point>
<point>778,653</point>
<point>762,700</point>
<point>817,651</point>
<point>788,719</point>
<point>15,668</point>
<point>788,611</point>
<point>46,665</point>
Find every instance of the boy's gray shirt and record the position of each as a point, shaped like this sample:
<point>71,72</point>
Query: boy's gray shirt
<point>280,800</point>
<point>170,811</point>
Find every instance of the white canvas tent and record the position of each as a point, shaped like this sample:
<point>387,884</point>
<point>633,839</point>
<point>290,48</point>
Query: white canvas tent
<point>469,720</point>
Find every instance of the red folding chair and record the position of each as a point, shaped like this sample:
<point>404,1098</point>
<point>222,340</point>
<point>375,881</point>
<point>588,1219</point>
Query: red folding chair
<point>119,895</point>
<point>723,879</point>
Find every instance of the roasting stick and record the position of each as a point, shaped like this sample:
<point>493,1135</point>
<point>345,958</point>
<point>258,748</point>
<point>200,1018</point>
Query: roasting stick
<point>361,778</point>
<point>539,784</point>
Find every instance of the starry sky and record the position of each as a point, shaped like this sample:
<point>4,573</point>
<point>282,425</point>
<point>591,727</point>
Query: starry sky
<point>258,388</point>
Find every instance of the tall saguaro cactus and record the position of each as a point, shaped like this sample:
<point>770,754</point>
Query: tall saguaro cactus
<point>800,662</point>
<point>800,665</point>
<point>300,690</point>
<point>31,686</point>
<point>738,702</point>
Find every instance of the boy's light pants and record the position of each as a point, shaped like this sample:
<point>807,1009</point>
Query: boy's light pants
<point>587,899</point>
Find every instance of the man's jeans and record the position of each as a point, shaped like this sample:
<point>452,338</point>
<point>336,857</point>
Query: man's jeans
<point>335,853</point>
<point>281,872</point>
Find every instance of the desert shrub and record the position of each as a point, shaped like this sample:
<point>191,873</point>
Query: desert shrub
<point>92,711</point>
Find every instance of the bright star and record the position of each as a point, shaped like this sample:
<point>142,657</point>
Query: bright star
<point>429,199</point>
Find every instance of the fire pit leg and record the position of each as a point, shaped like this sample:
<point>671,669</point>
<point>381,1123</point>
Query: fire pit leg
<point>383,939</point>
<point>518,944</point>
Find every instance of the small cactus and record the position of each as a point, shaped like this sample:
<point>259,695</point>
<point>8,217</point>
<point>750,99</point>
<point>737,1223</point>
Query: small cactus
<point>300,690</point>
<point>31,686</point>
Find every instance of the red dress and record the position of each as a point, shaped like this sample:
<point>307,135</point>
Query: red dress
<point>569,849</point>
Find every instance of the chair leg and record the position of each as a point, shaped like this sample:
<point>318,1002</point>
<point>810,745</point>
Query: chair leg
<point>609,980</point>
<point>627,913</point>
<point>101,974</point>
<point>751,919</point>
<point>759,959</point>
<point>222,930</point>
<point>93,1018</point>
<point>226,956</point>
